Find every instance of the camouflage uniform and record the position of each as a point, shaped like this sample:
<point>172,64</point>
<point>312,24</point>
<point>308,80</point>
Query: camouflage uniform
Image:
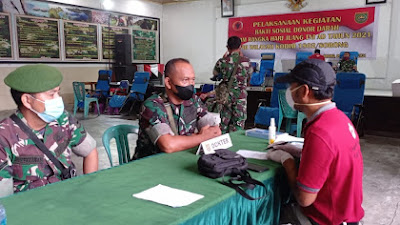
<point>346,65</point>
<point>21,160</point>
<point>233,114</point>
<point>189,118</point>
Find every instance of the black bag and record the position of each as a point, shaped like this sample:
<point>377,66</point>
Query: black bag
<point>227,163</point>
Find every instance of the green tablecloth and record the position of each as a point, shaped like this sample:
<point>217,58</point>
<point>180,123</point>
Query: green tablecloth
<point>105,197</point>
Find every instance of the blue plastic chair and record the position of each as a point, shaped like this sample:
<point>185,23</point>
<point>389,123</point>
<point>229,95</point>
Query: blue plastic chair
<point>120,134</point>
<point>266,69</point>
<point>265,113</point>
<point>301,56</point>
<point>81,99</point>
<point>289,114</point>
<point>138,89</point>
<point>349,96</point>
<point>103,83</point>
<point>119,96</point>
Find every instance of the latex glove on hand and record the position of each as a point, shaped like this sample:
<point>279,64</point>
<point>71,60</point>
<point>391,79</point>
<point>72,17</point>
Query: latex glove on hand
<point>279,156</point>
<point>293,149</point>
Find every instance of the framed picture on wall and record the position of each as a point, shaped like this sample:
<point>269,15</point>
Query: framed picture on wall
<point>227,8</point>
<point>375,1</point>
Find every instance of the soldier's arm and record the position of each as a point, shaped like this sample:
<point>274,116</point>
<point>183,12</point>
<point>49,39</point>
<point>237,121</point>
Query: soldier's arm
<point>6,181</point>
<point>173,143</point>
<point>91,162</point>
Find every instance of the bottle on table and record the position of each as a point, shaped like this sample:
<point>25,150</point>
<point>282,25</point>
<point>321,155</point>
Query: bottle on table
<point>272,131</point>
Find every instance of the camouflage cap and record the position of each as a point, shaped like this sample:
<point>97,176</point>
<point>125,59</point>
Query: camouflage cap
<point>34,78</point>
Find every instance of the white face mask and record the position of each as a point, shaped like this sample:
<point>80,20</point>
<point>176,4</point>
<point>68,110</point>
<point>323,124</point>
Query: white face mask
<point>53,109</point>
<point>291,103</point>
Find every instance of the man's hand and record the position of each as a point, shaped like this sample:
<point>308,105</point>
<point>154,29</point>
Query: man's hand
<point>288,147</point>
<point>203,96</point>
<point>210,131</point>
<point>278,156</point>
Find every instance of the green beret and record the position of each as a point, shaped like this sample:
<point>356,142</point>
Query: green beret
<point>34,78</point>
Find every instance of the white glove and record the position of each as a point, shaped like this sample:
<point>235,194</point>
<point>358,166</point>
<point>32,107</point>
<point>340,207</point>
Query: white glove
<point>290,148</point>
<point>278,156</point>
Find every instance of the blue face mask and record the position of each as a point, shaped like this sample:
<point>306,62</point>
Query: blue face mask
<point>53,109</point>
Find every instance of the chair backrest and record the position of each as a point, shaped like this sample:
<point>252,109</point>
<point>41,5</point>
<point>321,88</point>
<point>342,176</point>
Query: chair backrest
<point>277,86</point>
<point>353,55</point>
<point>301,56</point>
<point>287,112</point>
<point>267,64</point>
<point>207,88</point>
<point>349,90</point>
<point>120,134</point>
<point>103,81</point>
<point>79,91</point>
<point>140,84</point>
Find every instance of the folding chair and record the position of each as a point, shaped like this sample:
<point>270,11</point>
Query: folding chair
<point>266,70</point>
<point>349,97</point>
<point>138,90</point>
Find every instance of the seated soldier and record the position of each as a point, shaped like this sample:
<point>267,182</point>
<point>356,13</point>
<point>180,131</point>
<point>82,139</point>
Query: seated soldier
<point>346,64</point>
<point>188,123</point>
<point>23,166</point>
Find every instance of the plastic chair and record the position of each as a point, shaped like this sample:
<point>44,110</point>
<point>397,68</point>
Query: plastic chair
<point>265,113</point>
<point>266,69</point>
<point>118,98</point>
<point>349,97</point>
<point>80,99</point>
<point>288,113</point>
<point>301,56</point>
<point>138,90</point>
<point>103,83</point>
<point>120,134</point>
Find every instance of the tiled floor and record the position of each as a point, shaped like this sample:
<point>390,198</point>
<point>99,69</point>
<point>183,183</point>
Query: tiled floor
<point>381,168</point>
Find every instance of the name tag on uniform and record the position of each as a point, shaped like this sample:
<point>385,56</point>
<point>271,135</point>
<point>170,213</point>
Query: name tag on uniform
<point>209,146</point>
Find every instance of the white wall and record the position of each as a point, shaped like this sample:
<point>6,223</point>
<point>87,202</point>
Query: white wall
<point>203,39</point>
<point>85,71</point>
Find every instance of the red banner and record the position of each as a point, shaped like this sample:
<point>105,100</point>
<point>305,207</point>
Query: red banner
<point>336,29</point>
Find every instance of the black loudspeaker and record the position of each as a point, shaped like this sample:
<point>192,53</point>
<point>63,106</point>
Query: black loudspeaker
<point>123,49</point>
<point>124,73</point>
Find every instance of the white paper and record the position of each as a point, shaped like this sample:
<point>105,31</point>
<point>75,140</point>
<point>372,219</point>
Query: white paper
<point>168,196</point>
<point>252,154</point>
<point>288,138</point>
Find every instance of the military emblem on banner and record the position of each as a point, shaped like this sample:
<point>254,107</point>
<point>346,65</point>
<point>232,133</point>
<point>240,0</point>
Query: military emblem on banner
<point>361,17</point>
<point>237,25</point>
<point>296,5</point>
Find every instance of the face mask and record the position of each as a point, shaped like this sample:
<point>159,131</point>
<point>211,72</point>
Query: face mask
<point>289,98</point>
<point>346,58</point>
<point>291,103</point>
<point>185,93</point>
<point>53,109</point>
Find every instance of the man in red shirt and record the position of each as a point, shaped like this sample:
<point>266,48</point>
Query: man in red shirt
<point>317,55</point>
<point>328,183</point>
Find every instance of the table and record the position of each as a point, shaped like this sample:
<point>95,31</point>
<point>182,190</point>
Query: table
<point>105,197</point>
<point>92,84</point>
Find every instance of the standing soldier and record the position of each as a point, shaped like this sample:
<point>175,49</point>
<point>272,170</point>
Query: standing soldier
<point>36,141</point>
<point>231,94</point>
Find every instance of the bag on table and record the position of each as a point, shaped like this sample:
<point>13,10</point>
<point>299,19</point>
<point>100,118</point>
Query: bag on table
<point>227,163</point>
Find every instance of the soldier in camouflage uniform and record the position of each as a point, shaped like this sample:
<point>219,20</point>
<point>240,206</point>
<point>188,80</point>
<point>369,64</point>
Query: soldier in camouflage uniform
<point>192,121</point>
<point>346,64</point>
<point>234,113</point>
<point>23,166</point>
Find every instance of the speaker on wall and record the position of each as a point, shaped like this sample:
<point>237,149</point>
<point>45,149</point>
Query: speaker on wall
<point>124,73</point>
<point>123,49</point>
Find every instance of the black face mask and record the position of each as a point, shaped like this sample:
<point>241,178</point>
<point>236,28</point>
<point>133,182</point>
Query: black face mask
<point>184,93</point>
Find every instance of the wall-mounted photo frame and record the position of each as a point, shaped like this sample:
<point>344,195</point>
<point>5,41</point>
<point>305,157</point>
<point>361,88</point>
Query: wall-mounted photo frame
<point>227,7</point>
<point>369,2</point>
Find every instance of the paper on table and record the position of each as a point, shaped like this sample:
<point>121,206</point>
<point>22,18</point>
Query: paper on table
<point>168,196</point>
<point>252,154</point>
<point>288,138</point>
